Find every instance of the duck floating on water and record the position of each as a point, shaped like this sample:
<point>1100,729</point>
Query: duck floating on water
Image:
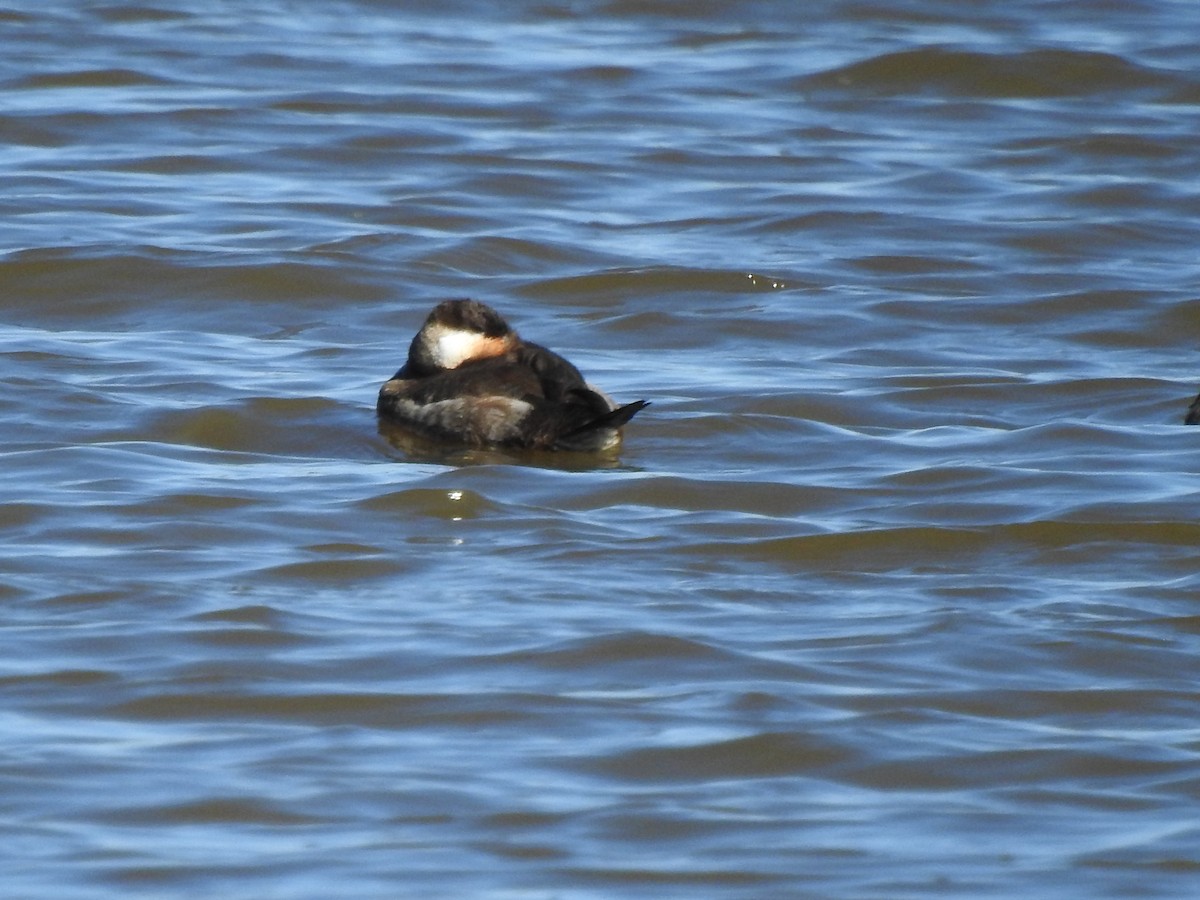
<point>470,379</point>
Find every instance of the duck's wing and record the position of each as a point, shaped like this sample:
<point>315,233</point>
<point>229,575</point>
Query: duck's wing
<point>497,377</point>
<point>487,402</point>
<point>572,415</point>
<point>557,378</point>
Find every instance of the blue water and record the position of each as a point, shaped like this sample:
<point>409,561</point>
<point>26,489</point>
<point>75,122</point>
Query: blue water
<point>892,592</point>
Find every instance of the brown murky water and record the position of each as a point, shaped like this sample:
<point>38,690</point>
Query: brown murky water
<point>893,592</point>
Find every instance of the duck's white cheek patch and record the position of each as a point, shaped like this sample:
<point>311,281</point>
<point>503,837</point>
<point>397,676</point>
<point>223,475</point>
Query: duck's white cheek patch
<point>456,347</point>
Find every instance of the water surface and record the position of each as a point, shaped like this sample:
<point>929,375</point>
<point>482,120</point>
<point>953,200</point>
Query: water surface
<point>891,593</point>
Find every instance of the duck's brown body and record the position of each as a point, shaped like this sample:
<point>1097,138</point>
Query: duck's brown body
<point>470,379</point>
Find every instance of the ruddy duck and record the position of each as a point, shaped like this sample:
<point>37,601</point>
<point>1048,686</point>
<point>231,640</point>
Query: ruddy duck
<point>470,379</point>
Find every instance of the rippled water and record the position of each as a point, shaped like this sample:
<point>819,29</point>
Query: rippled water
<point>893,592</point>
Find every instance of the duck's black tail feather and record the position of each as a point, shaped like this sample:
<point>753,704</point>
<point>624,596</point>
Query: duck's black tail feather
<point>612,419</point>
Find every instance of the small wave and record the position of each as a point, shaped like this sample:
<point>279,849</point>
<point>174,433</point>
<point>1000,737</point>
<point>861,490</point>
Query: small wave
<point>1030,74</point>
<point>89,78</point>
